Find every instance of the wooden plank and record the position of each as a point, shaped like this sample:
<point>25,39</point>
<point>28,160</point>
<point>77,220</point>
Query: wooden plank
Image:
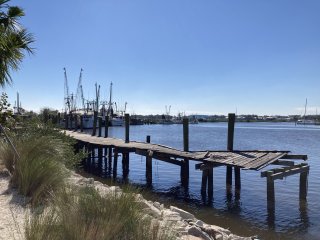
<point>207,166</point>
<point>287,173</point>
<point>277,170</point>
<point>280,173</point>
<point>295,156</point>
<point>283,162</point>
<point>266,160</point>
<point>167,159</point>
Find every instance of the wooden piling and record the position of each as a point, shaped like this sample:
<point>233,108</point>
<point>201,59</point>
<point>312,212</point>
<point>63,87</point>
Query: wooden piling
<point>115,162</point>
<point>303,185</point>
<point>270,200</point>
<point>125,164</point>
<point>106,126</point>
<point>237,178</point>
<point>58,118</point>
<point>81,123</point>
<point>95,115</point>
<point>204,182</point>
<point>231,121</point>
<point>186,134</point>
<point>75,123</point>
<point>66,121</point>
<point>210,183</point>
<point>270,187</point>
<point>100,127</point>
<point>70,121</point>
<point>99,159</point>
<point>148,164</point>
<point>127,124</point>
<point>185,165</point>
<point>110,155</point>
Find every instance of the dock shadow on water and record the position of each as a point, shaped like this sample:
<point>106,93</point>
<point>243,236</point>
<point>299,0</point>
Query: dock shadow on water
<point>244,211</point>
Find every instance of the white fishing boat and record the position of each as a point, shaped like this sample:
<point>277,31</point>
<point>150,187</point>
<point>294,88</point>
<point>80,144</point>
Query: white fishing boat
<point>305,121</point>
<point>117,121</point>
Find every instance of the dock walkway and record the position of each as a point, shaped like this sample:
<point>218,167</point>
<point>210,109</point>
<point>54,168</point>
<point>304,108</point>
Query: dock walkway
<point>252,159</point>
<point>108,149</point>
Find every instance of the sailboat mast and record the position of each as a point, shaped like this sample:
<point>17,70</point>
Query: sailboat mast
<point>110,101</point>
<point>305,111</point>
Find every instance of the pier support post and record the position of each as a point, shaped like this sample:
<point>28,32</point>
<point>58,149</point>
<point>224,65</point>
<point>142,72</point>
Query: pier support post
<point>75,123</point>
<point>99,159</point>
<point>66,122</point>
<point>110,158</point>
<point>91,157</point>
<point>94,128</point>
<point>303,188</point>
<point>270,200</point>
<point>270,187</point>
<point>127,124</point>
<point>237,178</point>
<point>231,121</point>
<point>70,121</point>
<point>204,182</point>
<point>125,164</point>
<point>81,123</point>
<point>106,126</point>
<point>185,165</point>
<point>149,165</point>
<point>100,127</point>
<point>58,118</point>
<point>210,184</point>
<point>105,160</point>
<point>115,162</point>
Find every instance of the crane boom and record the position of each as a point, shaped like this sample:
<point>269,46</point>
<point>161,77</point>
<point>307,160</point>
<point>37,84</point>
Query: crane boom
<point>66,92</point>
<point>79,94</point>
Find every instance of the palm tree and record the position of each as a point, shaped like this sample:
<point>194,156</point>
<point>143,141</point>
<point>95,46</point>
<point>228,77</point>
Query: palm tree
<point>15,41</point>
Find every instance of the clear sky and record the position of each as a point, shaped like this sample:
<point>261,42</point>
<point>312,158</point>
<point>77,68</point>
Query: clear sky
<point>201,57</point>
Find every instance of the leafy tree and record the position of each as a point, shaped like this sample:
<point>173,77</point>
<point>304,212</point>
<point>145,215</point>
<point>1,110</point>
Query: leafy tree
<point>15,40</point>
<point>6,118</point>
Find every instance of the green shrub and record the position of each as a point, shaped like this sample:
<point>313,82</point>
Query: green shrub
<point>83,214</point>
<point>39,170</point>
<point>44,152</point>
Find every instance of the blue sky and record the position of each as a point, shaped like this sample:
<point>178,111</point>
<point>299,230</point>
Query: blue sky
<point>200,57</point>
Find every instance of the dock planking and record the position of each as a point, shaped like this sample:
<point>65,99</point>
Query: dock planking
<point>248,160</point>
<point>207,160</point>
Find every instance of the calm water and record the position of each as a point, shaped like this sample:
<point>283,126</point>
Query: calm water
<point>248,215</point>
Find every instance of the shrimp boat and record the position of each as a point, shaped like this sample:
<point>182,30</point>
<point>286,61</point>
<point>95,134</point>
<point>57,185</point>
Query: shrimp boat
<point>87,109</point>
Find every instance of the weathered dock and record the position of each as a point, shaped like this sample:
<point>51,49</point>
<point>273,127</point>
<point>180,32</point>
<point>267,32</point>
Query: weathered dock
<point>110,148</point>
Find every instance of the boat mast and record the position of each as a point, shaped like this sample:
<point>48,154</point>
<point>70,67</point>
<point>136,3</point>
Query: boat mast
<point>66,92</point>
<point>97,97</point>
<point>110,100</point>
<point>305,111</point>
<point>79,93</point>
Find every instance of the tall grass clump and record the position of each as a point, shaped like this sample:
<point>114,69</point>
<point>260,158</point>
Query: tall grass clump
<point>38,171</point>
<point>83,214</point>
<point>40,168</point>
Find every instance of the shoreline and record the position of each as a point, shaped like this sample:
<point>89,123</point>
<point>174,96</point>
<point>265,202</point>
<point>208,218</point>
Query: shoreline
<point>14,212</point>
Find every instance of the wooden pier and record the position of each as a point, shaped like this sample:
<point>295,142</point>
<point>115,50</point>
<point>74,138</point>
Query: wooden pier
<point>234,160</point>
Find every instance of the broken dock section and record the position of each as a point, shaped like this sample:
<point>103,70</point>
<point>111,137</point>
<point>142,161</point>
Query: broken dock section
<point>109,149</point>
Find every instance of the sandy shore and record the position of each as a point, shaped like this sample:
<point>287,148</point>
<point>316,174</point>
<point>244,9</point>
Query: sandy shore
<point>13,210</point>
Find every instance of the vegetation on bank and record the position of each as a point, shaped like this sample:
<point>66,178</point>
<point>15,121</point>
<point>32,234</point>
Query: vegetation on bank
<point>39,167</point>
<point>82,213</point>
<point>68,212</point>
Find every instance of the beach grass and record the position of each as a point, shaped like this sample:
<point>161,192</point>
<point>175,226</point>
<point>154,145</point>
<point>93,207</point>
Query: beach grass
<point>38,171</point>
<point>82,213</point>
